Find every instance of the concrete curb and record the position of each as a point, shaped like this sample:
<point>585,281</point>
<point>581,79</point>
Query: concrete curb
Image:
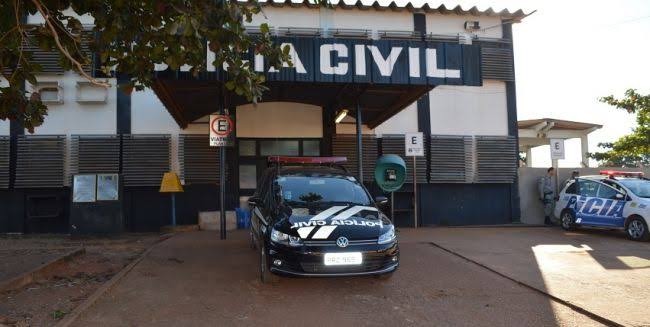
<point>74,315</point>
<point>30,276</point>
<point>566,303</point>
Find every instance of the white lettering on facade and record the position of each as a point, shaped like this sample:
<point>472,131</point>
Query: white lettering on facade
<point>414,62</point>
<point>295,59</point>
<point>326,67</point>
<point>434,71</point>
<point>385,65</point>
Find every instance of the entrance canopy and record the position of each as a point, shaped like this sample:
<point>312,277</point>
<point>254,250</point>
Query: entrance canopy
<point>538,132</point>
<point>381,76</point>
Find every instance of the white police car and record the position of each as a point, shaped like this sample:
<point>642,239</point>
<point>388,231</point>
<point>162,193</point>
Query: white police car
<point>614,199</point>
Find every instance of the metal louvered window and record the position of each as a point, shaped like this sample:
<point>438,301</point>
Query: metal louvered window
<point>497,63</point>
<point>40,161</point>
<point>4,162</point>
<point>451,159</point>
<point>199,162</point>
<point>344,145</point>
<point>496,159</point>
<point>49,60</point>
<point>394,144</point>
<point>146,158</point>
<point>95,154</point>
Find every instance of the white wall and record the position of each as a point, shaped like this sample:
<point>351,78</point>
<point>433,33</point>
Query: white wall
<point>72,117</point>
<point>469,110</point>
<point>452,24</point>
<point>279,119</point>
<point>336,18</point>
<point>405,121</point>
<point>4,127</point>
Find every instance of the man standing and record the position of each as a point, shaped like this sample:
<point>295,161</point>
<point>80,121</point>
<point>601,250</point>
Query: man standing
<point>546,189</point>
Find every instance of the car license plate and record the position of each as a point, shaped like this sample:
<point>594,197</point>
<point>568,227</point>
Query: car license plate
<point>343,258</point>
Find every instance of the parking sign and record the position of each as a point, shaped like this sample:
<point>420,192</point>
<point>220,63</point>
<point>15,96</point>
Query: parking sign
<point>221,127</point>
<point>557,149</point>
<point>414,144</point>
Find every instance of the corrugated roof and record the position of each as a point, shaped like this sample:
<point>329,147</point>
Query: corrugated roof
<point>437,7</point>
<point>557,124</point>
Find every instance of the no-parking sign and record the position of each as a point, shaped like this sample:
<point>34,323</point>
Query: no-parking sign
<point>221,127</point>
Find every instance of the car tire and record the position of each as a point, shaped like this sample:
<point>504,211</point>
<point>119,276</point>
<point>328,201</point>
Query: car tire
<point>637,229</point>
<point>567,220</point>
<point>266,276</point>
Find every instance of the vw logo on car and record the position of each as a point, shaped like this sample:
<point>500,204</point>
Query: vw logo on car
<point>342,242</point>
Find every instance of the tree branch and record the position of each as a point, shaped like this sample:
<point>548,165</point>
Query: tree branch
<point>63,50</point>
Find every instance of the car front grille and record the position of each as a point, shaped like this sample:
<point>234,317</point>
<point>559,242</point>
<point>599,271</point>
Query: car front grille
<point>369,263</point>
<point>372,241</point>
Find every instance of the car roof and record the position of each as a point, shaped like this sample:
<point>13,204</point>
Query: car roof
<point>311,170</point>
<point>603,177</point>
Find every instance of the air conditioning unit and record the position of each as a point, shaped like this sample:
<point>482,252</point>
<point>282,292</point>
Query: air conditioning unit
<point>90,93</point>
<point>51,92</point>
<point>472,25</point>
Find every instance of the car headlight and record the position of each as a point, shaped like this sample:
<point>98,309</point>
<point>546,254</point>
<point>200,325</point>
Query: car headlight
<point>387,237</point>
<point>286,239</point>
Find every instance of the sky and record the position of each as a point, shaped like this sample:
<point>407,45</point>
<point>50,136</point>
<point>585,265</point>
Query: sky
<point>568,54</point>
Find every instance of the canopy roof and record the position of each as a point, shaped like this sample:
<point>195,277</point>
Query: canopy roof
<point>556,124</point>
<point>189,100</point>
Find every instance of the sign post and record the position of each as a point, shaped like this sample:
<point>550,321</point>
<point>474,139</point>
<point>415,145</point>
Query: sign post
<point>557,153</point>
<point>414,147</point>
<point>221,127</point>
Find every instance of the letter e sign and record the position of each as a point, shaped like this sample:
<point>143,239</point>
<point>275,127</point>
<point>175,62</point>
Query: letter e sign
<point>414,144</point>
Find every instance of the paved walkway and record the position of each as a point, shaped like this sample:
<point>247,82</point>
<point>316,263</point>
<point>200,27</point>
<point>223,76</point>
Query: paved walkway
<point>193,279</point>
<point>598,270</point>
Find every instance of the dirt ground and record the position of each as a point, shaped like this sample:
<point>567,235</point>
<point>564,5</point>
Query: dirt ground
<point>50,298</point>
<point>195,279</point>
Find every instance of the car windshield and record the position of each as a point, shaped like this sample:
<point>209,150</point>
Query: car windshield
<point>314,190</point>
<point>640,187</point>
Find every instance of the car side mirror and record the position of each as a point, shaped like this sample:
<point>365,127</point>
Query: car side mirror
<point>619,196</point>
<point>381,200</point>
<point>254,201</point>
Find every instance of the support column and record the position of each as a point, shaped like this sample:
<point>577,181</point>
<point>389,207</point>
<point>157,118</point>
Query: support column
<point>584,148</point>
<point>222,179</point>
<point>329,129</point>
<point>359,144</point>
<point>513,129</point>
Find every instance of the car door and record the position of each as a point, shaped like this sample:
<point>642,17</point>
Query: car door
<point>611,212</point>
<point>586,213</point>
<point>598,204</point>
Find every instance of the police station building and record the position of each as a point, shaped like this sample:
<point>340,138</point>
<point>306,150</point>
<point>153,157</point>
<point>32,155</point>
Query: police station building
<point>362,77</point>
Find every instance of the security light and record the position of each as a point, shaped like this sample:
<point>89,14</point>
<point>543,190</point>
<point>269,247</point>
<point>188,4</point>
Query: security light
<point>341,115</point>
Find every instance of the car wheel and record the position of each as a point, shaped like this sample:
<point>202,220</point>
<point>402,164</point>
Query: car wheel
<point>637,229</point>
<point>266,276</point>
<point>567,220</point>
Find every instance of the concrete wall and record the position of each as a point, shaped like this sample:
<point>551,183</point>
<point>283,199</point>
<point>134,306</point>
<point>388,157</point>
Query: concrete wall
<point>72,117</point>
<point>532,211</point>
<point>405,121</point>
<point>469,110</point>
<point>279,119</point>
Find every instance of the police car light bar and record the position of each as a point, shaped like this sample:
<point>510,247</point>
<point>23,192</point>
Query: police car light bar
<point>621,173</point>
<point>307,160</point>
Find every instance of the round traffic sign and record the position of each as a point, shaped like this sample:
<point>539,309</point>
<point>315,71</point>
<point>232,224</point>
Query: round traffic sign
<point>222,125</point>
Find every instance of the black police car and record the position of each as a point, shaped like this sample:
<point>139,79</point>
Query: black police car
<point>312,218</point>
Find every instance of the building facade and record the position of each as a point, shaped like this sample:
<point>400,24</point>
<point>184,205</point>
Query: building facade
<point>374,62</point>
